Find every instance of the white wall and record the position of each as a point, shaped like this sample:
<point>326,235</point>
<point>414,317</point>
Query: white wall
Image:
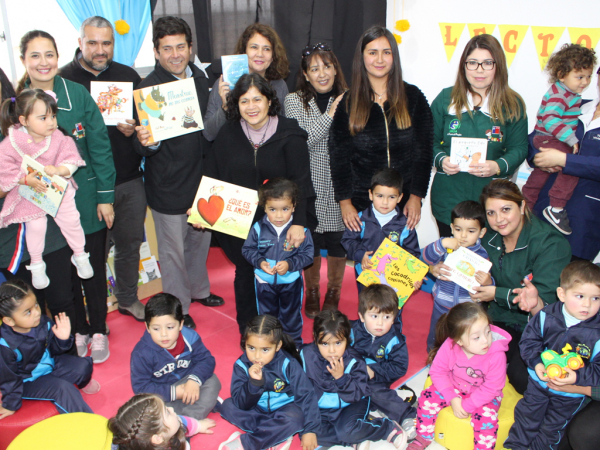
<point>425,64</point>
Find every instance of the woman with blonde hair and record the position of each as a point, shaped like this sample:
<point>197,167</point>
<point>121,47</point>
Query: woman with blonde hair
<point>479,105</point>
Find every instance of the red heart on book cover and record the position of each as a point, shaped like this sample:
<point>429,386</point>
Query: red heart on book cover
<point>212,209</point>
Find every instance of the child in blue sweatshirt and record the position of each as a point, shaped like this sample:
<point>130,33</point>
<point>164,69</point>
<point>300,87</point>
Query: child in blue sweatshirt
<point>378,338</point>
<point>382,220</point>
<point>170,360</point>
<point>468,227</point>
<point>278,265</point>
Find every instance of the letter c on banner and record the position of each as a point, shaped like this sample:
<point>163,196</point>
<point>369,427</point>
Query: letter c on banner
<point>512,38</point>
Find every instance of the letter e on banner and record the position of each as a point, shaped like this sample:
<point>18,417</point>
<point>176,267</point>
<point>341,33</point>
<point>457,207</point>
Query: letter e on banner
<point>545,39</point>
<point>587,37</point>
<point>512,37</point>
<point>475,29</point>
<point>450,35</point>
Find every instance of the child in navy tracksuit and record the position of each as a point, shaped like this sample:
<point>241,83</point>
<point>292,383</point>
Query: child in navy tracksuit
<point>278,265</point>
<point>378,338</point>
<point>468,227</point>
<point>170,360</point>
<point>33,363</point>
<point>340,380</point>
<point>382,220</point>
<point>573,324</point>
<point>271,397</point>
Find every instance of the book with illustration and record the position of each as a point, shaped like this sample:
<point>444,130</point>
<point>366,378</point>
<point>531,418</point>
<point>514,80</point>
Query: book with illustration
<point>234,66</point>
<point>50,200</point>
<point>463,264</point>
<point>114,100</point>
<point>394,266</point>
<point>224,207</point>
<point>169,110</point>
<point>467,151</point>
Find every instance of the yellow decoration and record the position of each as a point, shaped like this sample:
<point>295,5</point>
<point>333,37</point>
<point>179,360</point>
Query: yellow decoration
<point>588,37</point>
<point>545,39</point>
<point>512,38</point>
<point>122,27</point>
<point>402,25</point>
<point>476,29</point>
<point>450,35</point>
<point>398,38</point>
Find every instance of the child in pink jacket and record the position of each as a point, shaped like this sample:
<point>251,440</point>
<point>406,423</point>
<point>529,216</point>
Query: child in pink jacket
<point>468,373</point>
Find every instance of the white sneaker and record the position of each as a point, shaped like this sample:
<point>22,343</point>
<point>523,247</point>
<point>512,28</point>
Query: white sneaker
<point>100,352</point>
<point>39,279</point>
<point>82,342</point>
<point>84,268</point>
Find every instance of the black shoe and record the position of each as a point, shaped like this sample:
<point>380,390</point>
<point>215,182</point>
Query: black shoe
<point>558,220</point>
<point>211,300</point>
<point>189,322</point>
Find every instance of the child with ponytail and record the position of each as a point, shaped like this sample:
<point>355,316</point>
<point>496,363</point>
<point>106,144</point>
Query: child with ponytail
<point>468,372</point>
<point>29,123</point>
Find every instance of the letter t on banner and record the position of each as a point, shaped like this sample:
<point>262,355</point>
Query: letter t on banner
<point>450,35</point>
<point>512,37</point>
<point>545,39</point>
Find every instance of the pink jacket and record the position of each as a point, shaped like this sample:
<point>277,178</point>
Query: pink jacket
<point>56,150</point>
<point>482,377</point>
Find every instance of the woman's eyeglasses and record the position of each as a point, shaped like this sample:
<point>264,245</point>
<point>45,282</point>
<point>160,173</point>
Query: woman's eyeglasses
<point>488,64</point>
<point>311,48</point>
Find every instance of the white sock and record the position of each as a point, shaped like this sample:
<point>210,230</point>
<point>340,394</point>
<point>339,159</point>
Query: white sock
<point>556,210</point>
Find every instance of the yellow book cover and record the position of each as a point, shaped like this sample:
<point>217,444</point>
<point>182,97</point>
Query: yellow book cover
<point>394,266</point>
<point>224,207</point>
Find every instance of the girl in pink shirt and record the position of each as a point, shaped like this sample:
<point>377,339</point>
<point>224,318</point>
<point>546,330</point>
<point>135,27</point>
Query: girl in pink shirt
<point>468,373</point>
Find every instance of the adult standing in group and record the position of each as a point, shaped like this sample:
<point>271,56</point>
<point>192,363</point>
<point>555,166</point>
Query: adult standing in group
<point>266,57</point>
<point>78,115</point>
<point>172,174</point>
<point>382,121</point>
<point>479,105</point>
<point>254,146</point>
<point>321,86</point>
<point>583,208</point>
<point>523,250</point>
<point>93,61</point>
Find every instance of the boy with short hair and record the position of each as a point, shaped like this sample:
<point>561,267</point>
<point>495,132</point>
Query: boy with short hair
<point>378,337</point>
<point>468,227</point>
<point>573,325</point>
<point>382,220</point>
<point>570,71</point>
<point>170,360</point>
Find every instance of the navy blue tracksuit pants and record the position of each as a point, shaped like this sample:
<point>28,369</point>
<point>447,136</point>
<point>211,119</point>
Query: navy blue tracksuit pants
<point>57,386</point>
<point>283,301</point>
<point>387,401</point>
<point>541,418</point>
<point>264,429</point>
<point>352,425</point>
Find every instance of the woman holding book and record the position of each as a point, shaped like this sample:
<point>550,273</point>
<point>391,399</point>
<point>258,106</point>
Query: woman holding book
<point>479,105</point>
<point>321,86</point>
<point>381,122</point>
<point>254,146</point>
<point>266,57</point>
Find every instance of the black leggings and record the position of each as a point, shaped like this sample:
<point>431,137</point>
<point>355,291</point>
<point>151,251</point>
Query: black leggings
<point>583,432</point>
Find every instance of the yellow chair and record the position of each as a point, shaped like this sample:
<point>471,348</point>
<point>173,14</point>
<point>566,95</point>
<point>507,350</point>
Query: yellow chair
<point>74,431</point>
<point>457,434</point>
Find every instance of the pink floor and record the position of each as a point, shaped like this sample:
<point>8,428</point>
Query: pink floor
<point>219,332</point>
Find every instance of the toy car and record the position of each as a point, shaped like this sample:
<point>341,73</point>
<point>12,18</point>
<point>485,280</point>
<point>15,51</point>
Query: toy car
<point>555,363</point>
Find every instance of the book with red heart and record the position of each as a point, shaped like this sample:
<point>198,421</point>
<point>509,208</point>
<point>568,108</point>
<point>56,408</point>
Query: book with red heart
<point>224,207</point>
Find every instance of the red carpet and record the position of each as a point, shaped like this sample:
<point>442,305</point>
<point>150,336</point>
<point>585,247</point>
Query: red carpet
<point>219,332</point>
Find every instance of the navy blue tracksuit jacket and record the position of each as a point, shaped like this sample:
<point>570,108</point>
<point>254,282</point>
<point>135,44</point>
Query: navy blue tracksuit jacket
<point>279,295</point>
<point>34,366</point>
<point>344,403</point>
<point>543,414</point>
<point>387,356</point>
<point>154,370</point>
<point>271,410</point>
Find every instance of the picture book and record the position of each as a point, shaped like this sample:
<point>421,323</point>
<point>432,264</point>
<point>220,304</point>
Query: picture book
<point>169,110</point>
<point>463,264</point>
<point>467,151</point>
<point>394,266</point>
<point>114,100</point>
<point>50,200</point>
<point>234,66</point>
<point>224,207</point>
